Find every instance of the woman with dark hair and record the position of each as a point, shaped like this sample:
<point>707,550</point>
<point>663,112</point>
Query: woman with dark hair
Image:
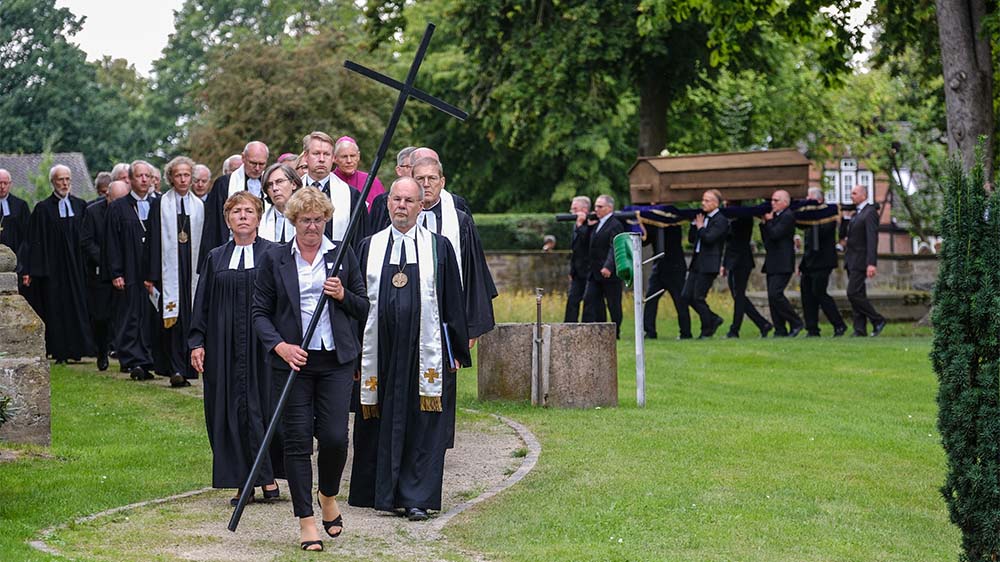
<point>293,277</point>
<point>279,183</point>
<point>226,351</point>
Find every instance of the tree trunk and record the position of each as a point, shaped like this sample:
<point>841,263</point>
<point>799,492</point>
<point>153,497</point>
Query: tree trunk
<point>968,78</point>
<point>654,100</point>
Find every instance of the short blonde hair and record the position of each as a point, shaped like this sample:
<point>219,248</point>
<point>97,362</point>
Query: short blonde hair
<point>316,135</point>
<point>243,197</point>
<point>308,200</point>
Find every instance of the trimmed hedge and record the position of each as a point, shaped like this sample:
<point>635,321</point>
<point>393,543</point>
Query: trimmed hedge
<point>522,231</point>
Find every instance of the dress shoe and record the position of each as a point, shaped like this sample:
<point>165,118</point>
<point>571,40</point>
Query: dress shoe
<point>812,335</point>
<point>857,334</point>
<point>877,329</point>
<point>715,325</point>
<point>795,331</point>
<point>780,334</point>
<point>60,361</point>
<point>416,514</point>
<point>138,374</point>
<point>766,330</point>
<point>102,362</point>
<point>731,335</point>
<point>684,337</point>
<point>177,380</point>
<point>649,336</point>
<point>124,369</point>
<point>838,332</point>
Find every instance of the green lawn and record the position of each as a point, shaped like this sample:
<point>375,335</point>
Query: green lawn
<point>751,449</point>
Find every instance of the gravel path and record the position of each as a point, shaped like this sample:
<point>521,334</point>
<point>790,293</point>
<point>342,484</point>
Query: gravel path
<point>486,459</point>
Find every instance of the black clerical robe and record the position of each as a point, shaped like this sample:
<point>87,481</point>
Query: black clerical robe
<point>237,378</point>
<point>399,456</point>
<point>100,293</point>
<point>171,354</point>
<point>477,281</point>
<point>13,233</point>
<point>128,258</point>
<point>378,211</point>
<point>53,259</point>
<point>215,231</point>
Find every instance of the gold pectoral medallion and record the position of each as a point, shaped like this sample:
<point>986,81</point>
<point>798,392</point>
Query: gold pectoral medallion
<point>399,280</point>
<point>182,237</point>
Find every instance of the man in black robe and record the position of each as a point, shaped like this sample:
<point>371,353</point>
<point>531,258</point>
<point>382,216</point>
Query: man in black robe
<point>100,292</point>
<point>53,263</point>
<point>127,265</point>
<point>244,178</point>
<point>176,220</point>
<point>14,213</point>
<point>401,434</point>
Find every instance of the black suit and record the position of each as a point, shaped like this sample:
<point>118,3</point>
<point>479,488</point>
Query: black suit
<point>668,274</point>
<point>600,290</point>
<point>709,242</point>
<point>320,396</point>
<point>819,258</point>
<point>779,265</point>
<point>861,251</point>
<point>739,263</point>
<point>579,271</point>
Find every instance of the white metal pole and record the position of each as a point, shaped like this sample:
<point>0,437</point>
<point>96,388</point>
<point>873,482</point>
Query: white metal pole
<point>638,295</point>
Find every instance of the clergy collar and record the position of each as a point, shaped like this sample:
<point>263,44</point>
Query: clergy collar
<point>58,197</point>
<point>411,234</point>
<point>325,246</point>
<point>137,198</point>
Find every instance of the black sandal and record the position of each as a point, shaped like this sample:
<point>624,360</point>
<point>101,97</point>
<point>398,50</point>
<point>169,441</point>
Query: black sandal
<point>306,544</point>
<point>271,494</point>
<point>235,500</point>
<point>338,522</point>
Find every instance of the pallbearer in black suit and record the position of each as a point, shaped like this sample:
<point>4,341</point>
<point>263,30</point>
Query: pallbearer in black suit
<point>414,333</point>
<point>860,260</point>
<point>125,246</point>
<point>226,351</point>
<point>737,265</point>
<point>53,263</point>
<point>318,147</point>
<point>244,178</point>
<point>819,258</point>
<point>292,279</point>
<point>100,292</point>
<point>708,236</point>
<point>778,232</point>
<point>14,215</point>
<point>579,265</point>
<point>176,222</point>
<point>280,182</point>
<point>668,273</point>
<point>604,288</point>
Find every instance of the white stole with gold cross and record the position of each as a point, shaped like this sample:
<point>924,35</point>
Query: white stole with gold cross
<point>169,264</point>
<point>431,361</point>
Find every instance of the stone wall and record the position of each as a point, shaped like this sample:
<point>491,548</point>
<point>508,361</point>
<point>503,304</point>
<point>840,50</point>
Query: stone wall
<point>525,270</point>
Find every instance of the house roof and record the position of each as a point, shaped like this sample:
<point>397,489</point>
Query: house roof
<point>23,166</point>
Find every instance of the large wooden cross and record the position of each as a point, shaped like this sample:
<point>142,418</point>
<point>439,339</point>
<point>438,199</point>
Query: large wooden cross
<point>406,91</point>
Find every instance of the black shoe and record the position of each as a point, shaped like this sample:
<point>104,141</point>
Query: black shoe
<point>416,514</point>
<point>339,522</point>
<point>138,374</point>
<point>731,335</point>
<point>649,336</point>
<point>683,337</point>
<point>304,545</point>
<point>235,500</point>
<point>838,332</point>
<point>177,380</point>
<point>715,325</point>
<point>795,331</point>
<point>60,361</point>
<point>877,329</point>
<point>812,335</point>
<point>124,368</point>
<point>271,494</point>
<point>102,362</point>
<point>766,330</point>
<point>857,334</point>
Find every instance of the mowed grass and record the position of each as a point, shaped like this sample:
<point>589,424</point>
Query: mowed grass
<point>114,442</point>
<point>750,449</point>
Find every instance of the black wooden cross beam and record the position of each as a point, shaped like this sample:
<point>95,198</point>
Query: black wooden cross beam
<point>406,91</point>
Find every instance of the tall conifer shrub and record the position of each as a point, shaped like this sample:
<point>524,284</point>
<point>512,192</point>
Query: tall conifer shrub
<point>966,358</point>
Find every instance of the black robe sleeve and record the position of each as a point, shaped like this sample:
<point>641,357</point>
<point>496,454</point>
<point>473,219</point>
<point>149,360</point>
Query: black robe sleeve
<point>201,313</point>
<point>451,305</point>
<point>154,244</point>
<point>480,290</point>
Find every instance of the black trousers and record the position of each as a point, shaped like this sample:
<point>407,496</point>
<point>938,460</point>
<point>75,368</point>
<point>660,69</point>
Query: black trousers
<point>861,308</point>
<point>597,295</point>
<point>783,316</point>
<point>577,285</point>
<point>318,405</point>
<point>673,283</point>
<point>738,279</point>
<point>695,290</point>
<point>815,296</point>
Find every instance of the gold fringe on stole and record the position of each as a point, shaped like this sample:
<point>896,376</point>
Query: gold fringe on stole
<point>169,322</point>
<point>430,403</point>
<point>369,411</point>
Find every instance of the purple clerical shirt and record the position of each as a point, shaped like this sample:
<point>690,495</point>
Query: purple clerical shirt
<point>357,181</point>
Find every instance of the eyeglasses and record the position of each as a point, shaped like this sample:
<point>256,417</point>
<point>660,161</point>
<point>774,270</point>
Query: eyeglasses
<point>404,166</point>
<point>311,222</point>
<point>426,179</point>
<point>302,167</point>
<point>279,181</point>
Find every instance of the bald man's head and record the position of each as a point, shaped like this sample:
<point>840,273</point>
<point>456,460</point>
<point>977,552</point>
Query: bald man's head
<point>780,200</point>
<point>118,189</point>
<point>424,152</point>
